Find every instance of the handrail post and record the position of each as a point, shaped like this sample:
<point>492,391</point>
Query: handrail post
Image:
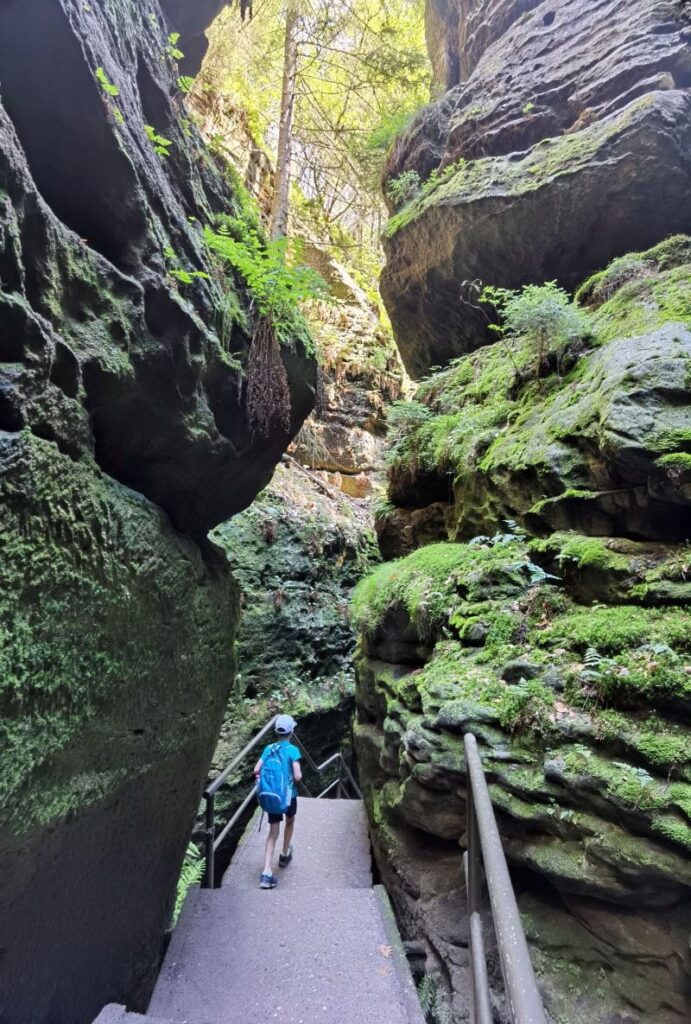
<point>209,837</point>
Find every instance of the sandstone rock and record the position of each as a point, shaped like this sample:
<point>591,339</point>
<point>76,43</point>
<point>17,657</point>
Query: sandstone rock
<point>586,758</point>
<point>117,630</point>
<point>615,569</point>
<point>569,116</point>
<point>400,531</point>
<point>598,446</point>
<point>112,625</point>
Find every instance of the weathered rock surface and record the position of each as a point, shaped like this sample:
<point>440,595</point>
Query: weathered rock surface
<point>587,754</point>
<point>122,420</point>
<point>599,443</point>
<point>563,140</point>
<point>566,654</point>
<point>361,375</point>
<point>299,550</point>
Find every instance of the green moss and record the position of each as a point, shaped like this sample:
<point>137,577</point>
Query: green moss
<point>561,156</point>
<point>634,789</point>
<point>673,252</point>
<point>118,626</point>
<point>526,706</point>
<point>425,582</point>
<point>645,304</point>
<point>584,552</point>
<point>662,745</point>
<point>571,493</point>
<point>672,440</point>
<point>673,829</point>
<point>612,630</point>
<point>676,461</point>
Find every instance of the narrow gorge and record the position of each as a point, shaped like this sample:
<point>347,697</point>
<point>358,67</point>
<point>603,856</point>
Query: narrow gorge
<point>447,490</point>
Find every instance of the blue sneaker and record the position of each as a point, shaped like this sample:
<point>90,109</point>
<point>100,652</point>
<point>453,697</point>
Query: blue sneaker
<point>268,882</point>
<point>285,858</point>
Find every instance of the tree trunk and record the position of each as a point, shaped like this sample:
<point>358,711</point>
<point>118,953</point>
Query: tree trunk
<point>281,199</point>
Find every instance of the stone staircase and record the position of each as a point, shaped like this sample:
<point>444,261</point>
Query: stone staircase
<point>321,948</point>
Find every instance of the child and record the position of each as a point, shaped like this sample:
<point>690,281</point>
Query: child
<point>284,729</point>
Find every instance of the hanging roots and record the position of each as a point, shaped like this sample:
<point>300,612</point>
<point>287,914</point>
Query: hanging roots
<point>268,395</point>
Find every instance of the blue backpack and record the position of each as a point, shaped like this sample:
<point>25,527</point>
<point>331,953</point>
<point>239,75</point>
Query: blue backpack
<point>274,788</point>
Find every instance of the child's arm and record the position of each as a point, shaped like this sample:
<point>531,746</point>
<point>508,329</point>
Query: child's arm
<point>297,771</point>
<point>258,768</point>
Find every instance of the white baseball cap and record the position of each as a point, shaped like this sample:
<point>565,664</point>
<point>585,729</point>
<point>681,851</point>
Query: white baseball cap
<point>284,725</point>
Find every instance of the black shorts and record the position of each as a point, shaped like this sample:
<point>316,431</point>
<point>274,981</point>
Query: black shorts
<point>290,813</point>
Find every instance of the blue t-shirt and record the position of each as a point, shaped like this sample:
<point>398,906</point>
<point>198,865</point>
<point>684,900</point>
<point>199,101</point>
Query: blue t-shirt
<point>291,753</point>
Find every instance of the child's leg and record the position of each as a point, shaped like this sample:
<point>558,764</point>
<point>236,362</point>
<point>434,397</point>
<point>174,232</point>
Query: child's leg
<point>288,834</point>
<point>270,847</point>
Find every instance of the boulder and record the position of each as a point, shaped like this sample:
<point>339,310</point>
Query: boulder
<point>596,440</point>
<point>558,123</point>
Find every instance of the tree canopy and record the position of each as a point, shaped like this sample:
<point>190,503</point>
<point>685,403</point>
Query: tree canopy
<point>362,71</point>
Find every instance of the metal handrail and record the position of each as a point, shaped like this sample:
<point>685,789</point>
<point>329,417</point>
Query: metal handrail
<point>485,848</point>
<point>343,769</point>
<point>213,841</point>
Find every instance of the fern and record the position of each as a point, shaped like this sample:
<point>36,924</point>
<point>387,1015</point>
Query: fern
<point>179,272</point>
<point>427,991</point>
<point>276,279</point>
<point>191,873</point>
<point>160,143</point>
<point>185,83</point>
<point>172,48</point>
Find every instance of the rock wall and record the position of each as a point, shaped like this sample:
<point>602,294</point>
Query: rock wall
<point>555,627</point>
<point>561,141</point>
<point>123,440</point>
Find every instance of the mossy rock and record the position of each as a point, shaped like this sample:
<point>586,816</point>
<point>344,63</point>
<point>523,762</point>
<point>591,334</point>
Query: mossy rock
<point>616,569</point>
<point>599,442</point>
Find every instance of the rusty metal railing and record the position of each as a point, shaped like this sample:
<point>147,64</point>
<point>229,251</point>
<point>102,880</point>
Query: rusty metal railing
<point>485,849</point>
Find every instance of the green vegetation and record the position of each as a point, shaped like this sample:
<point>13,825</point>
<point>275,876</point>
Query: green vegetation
<point>105,83</point>
<point>544,316</point>
<point>361,76</point>
<point>619,628</point>
<point>583,552</point>
<point>105,565</point>
<point>278,285</point>
<point>600,287</point>
<point>191,874</point>
<point>159,142</point>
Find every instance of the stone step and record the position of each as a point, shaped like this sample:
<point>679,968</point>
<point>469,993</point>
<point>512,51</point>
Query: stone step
<point>331,843</point>
<point>315,956</point>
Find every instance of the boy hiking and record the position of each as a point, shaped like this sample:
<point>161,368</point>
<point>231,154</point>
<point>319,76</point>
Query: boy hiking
<point>278,772</point>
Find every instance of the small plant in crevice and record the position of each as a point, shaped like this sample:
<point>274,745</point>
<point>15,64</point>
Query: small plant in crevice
<point>403,187</point>
<point>432,1003</point>
<point>159,142</point>
<point>180,273</point>
<point>185,83</point>
<point>277,284</point>
<point>108,88</point>
<point>192,871</point>
<point>544,315</point>
<point>110,91</point>
<point>172,49</point>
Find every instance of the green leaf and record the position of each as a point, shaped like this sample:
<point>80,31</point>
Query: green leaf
<point>105,83</point>
<point>185,83</point>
